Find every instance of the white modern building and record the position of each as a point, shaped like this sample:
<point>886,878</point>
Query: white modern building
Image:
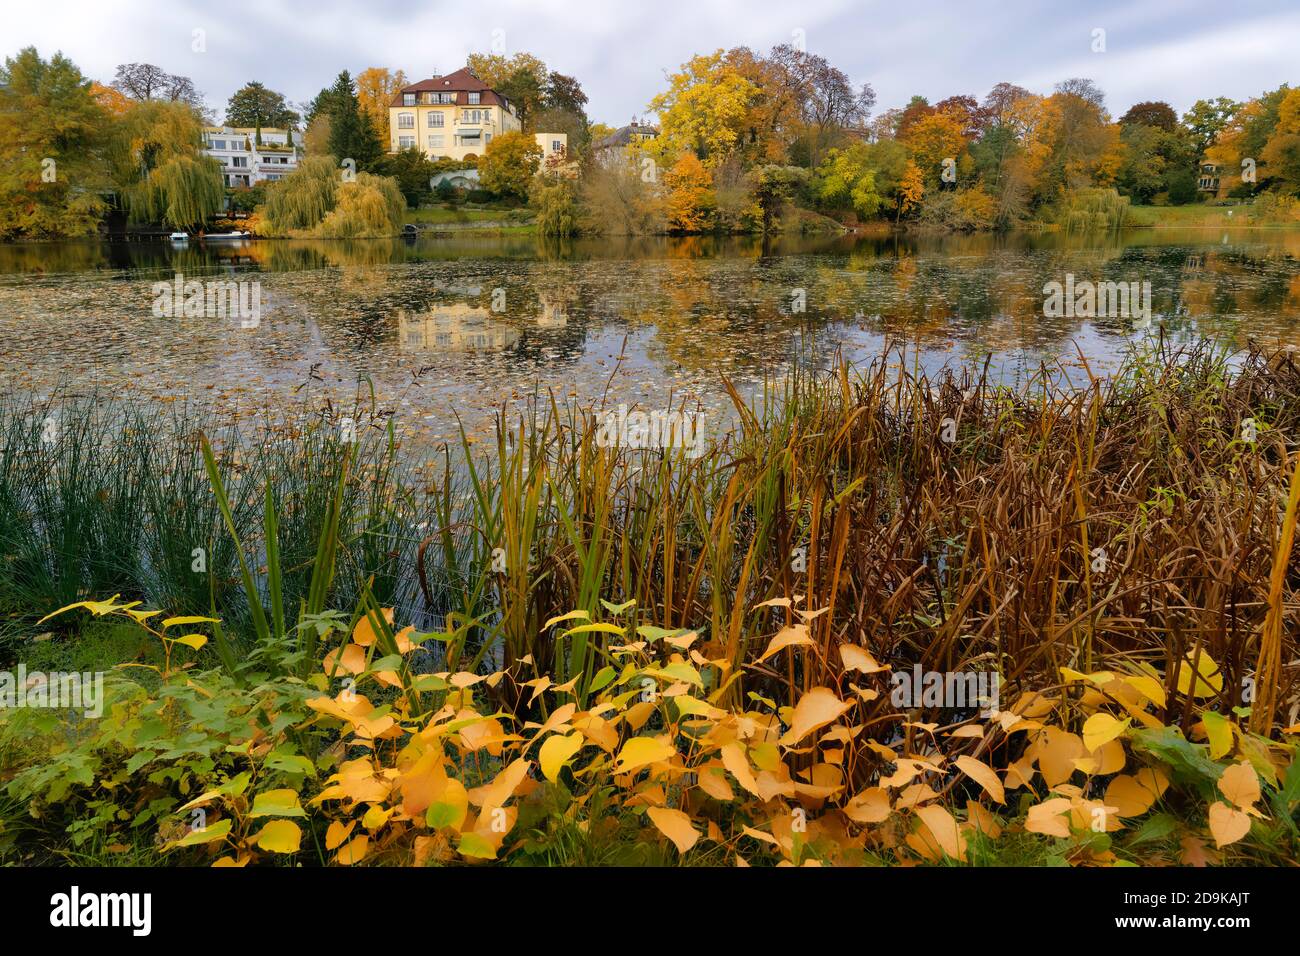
<point>250,156</point>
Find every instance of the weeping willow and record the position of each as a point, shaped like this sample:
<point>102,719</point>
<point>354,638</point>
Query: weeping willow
<point>1094,210</point>
<point>183,191</point>
<point>314,202</point>
<point>369,208</point>
<point>303,198</point>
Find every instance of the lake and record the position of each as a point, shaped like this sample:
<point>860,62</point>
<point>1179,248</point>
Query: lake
<point>451,328</point>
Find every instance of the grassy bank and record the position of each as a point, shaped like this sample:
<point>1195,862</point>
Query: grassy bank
<point>1198,215</point>
<point>633,654</point>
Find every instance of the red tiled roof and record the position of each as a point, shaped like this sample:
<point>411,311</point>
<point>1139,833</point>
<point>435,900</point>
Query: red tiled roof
<point>462,82</point>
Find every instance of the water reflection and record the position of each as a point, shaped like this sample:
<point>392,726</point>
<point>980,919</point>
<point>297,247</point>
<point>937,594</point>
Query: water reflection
<point>453,327</point>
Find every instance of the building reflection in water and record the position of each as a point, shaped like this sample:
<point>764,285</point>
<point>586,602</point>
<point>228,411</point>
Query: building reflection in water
<point>453,328</point>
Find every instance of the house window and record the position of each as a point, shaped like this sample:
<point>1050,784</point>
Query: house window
<point>405,142</point>
<point>408,99</point>
<point>474,117</point>
<point>473,99</point>
<point>239,161</point>
<point>436,120</point>
<point>218,144</point>
<point>557,146</point>
<point>435,141</point>
<point>487,139</point>
<point>406,121</point>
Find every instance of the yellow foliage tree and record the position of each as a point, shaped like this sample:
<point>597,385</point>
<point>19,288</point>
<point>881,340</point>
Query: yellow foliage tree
<point>691,201</point>
<point>703,110</point>
<point>376,88</point>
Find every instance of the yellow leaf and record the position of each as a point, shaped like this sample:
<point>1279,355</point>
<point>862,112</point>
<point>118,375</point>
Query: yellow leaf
<point>1218,730</point>
<point>1047,818</point>
<point>1100,729</point>
<point>676,826</point>
<point>869,806</point>
<point>192,640</point>
<point>174,621</point>
<point>792,636</point>
<point>1228,824</point>
<point>1134,795</point>
<point>597,628</point>
<point>376,817</point>
<point>502,787</point>
<point>815,709</point>
<point>571,616</point>
<point>643,751</point>
<point>556,751</point>
<point>856,658</point>
<point>982,774</point>
<point>733,758</point>
<point>1209,679</point>
<point>353,852</point>
<point>1148,687</point>
<point>279,836</point>
<point>943,828</point>
<point>1240,784</point>
<point>337,832</point>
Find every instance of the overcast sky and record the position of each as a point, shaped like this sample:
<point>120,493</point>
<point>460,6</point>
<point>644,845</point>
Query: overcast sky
<point>1173,50</point>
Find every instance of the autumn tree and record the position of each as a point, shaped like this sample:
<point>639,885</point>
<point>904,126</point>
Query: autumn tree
<point>703,110</point>
<point>114,102</point>
<point>831,104</point>
<point>51,136</point>
<point>690,201</point>
<point>376,88</point>
<point>1158,114</point>
<point>509,163</point>
<point>774,113</point>
<point>937,143</point>
<point>521,78</point>
<point>847,179</point>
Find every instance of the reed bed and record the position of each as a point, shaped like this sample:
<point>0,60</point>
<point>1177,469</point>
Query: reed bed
<point>949,521</point>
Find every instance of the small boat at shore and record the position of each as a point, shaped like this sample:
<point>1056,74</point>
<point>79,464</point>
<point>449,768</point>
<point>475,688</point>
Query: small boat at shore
<point>225,235</point>
<point>179,237</point>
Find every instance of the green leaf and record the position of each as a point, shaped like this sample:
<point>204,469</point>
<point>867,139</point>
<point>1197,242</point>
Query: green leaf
<point>602,678</point>
<point>471,844</point>
<point>217,831</point>
<point>277,803</point>
<point>291,763</point>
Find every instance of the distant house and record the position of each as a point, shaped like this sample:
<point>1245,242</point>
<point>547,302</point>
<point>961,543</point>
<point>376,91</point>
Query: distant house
<point>1208,179</point>
<point>250,156</point>
<point>555,146</point>
<point>455,117</point>
<point>611,148</point>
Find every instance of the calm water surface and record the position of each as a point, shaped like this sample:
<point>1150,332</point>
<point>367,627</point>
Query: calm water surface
<point>455,327</point>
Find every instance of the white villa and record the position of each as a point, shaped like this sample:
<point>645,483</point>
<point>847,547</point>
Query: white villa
<point>251,156</point>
